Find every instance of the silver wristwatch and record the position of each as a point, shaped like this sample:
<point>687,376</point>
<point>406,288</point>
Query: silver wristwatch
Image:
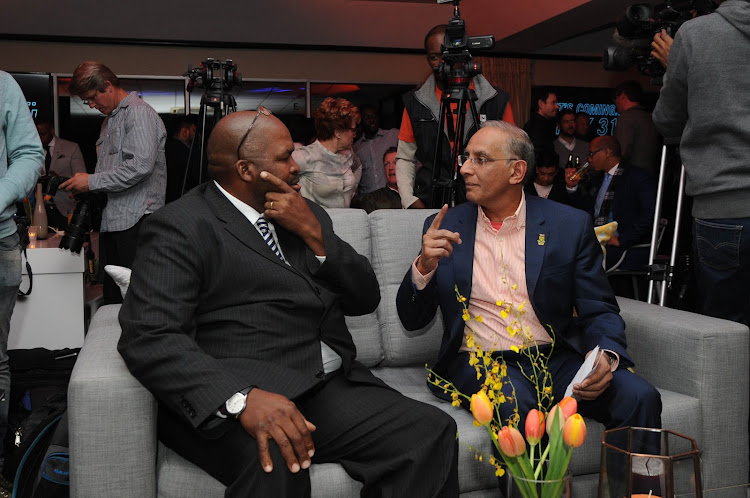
<point>235,405</point>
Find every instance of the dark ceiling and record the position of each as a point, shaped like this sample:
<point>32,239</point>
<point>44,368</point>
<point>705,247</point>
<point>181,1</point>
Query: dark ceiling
<point>550,27</point>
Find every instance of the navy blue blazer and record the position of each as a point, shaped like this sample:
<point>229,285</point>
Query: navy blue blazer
<point>633,206</point>
<point>563,272</point>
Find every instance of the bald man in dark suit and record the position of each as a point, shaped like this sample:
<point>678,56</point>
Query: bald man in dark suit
<point>239,332</point>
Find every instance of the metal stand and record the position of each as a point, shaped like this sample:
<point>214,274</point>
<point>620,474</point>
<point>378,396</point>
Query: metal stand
<point>222,104</point>
<point>443,189</point>
<point>664,273</point>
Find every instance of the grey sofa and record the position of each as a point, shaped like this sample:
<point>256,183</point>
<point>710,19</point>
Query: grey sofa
<point>699,364</point>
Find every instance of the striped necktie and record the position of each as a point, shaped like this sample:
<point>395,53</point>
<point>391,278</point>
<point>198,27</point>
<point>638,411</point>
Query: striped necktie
<point>268,237</point>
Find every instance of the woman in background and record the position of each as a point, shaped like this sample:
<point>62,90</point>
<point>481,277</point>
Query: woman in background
<point>329,169</point>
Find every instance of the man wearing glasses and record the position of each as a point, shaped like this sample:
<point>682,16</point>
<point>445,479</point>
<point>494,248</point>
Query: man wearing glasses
<point>130,167</point>
<point>624,194</point>
<point>523,263</point>
<point>235,321</point>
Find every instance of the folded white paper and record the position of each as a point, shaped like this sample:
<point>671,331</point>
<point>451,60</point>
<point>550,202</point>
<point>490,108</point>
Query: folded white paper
<point>589,365</point>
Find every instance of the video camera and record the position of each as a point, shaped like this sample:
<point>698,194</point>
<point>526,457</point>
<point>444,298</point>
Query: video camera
<point>88,210</point>
<point>636,28</point>
<point>215,77</point>
<point>458,66</point>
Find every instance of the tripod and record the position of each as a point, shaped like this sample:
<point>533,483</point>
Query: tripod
<point>222,104</point>
<point>656,272</point>
<point>443,189</point>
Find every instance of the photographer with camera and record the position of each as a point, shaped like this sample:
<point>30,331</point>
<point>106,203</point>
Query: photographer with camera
<point>130,168</point>
<point>703,105</point>
<point>21,160</point>
<point>419,126</point>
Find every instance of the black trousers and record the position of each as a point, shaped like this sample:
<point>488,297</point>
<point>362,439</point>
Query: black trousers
<point>394,445</point>
<point>117,248</point>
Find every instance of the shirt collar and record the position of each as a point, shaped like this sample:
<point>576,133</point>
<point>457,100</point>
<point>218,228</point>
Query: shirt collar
<point>569,146</point>
<point>247,211</point>
<point>124,102</point>
<point>517,220</point>
<point>613,170</point>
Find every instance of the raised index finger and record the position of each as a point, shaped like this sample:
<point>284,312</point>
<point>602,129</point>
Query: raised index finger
<point>276,182</point>
<point>439,218</point>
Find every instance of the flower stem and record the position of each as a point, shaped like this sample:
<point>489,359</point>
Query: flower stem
<point>541,462</point>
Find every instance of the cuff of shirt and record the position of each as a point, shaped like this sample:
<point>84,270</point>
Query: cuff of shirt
<point>615,359</point>
<point>420,281</point>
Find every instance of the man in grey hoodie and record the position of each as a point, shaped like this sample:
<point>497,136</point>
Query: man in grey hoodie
<point>705,105</point>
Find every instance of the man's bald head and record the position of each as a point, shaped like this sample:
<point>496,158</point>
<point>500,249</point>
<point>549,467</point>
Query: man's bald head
<point>225,142</point>
<point>608,142</point>
<point>237,158</point>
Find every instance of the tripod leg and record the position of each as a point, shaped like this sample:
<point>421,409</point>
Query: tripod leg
<point>675,238</point>
<point>655,227</point>
<point>457,144</point>
<point>436,158</point>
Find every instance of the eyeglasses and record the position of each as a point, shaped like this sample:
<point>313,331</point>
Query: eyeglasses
<point>90,98</point>
<point>481,161</point>
<point>261,110</point>
<point>593,152</point>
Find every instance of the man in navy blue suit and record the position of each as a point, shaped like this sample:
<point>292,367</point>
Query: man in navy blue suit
<point>504,247</point>
<point>625,194</point>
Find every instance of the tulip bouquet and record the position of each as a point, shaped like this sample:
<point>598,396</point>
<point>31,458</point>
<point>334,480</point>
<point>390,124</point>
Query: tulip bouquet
<point>543,460</point>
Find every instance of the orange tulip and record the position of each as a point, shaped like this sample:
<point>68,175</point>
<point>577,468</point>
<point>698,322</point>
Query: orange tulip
<point>569,406</point>
<point>534,426</point>
<point>511,442</point>
<point>574,432</point>
<point>481,408</point>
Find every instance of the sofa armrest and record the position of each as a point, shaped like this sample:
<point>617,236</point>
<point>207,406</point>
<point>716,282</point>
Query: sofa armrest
<point>707,358</point>
<point>112,419</point>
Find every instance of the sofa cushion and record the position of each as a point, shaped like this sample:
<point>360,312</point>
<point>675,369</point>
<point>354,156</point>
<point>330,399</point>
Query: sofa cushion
<point>353,227</point>
<point>176,475</point>
<point>394,248</point>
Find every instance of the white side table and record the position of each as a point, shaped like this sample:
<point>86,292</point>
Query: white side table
<point>52,316</point>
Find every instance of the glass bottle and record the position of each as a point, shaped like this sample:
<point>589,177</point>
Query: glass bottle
<point>40,213</point>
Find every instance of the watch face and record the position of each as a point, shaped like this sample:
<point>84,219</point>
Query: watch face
<point>236,404</point>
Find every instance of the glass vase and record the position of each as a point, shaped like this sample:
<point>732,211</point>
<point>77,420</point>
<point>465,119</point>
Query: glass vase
<point>520,487</point>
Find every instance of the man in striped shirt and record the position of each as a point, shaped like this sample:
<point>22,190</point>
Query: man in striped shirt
<point>130,167</point>
<point>532,270</point>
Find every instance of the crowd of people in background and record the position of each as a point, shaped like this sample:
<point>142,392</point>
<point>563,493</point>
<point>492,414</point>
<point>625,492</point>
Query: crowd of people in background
<point>347,160</point>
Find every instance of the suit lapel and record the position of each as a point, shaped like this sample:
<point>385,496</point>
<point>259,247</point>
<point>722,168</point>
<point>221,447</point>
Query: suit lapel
<point>239,226</point>
<point>463,254</point>
<point>537,238</point>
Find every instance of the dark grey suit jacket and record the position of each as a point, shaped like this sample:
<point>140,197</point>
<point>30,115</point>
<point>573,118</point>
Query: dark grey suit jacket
<point>212,310</point>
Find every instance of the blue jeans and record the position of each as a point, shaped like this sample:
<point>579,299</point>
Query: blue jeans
<point>722,249</point>
<point>10,279</point>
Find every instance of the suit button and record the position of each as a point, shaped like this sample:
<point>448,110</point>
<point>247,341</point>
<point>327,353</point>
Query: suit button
<point>320,374</point>
<point>317,290</point>
<point>413,298</point>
